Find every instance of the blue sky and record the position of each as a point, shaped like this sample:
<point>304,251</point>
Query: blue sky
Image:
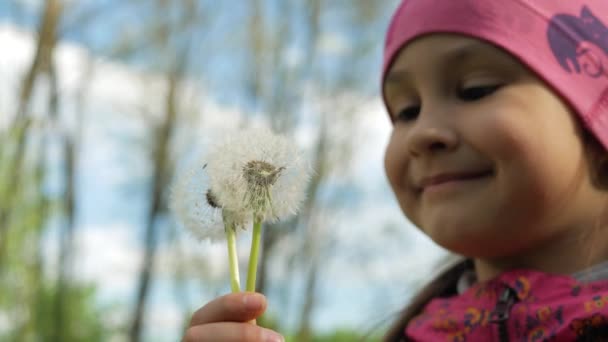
<point>222,69</point>
<point>392,255</point>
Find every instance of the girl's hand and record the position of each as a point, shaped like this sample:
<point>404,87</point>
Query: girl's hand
<point>229,319</point>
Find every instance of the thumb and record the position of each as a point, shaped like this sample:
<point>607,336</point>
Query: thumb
<point>233,307</point>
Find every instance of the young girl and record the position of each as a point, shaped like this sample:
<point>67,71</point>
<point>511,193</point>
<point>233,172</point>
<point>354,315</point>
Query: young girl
<point>498,154</point>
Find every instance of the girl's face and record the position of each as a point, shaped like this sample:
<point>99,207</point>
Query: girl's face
<point>483,156</point>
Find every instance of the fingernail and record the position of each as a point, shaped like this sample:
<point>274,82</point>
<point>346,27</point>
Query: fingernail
<point>253,301</point>
<point>271,336</point>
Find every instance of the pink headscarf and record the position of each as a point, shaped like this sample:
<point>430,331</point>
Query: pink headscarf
<point>564,41</point>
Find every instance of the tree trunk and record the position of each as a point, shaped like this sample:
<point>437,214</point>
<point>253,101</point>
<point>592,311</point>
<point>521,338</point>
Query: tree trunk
<point>41,63</point>
<point>159,182</point>
<point>304,333</point>
<point>309,251</point>
<point>47,37</point>
<point>61,305</point>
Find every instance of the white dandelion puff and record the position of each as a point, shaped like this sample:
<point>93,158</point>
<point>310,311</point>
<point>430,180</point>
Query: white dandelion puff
<point>197,209</point>
<point>258,171</point>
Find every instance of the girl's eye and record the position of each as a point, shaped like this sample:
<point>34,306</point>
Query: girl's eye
<point>408,113</point>
<point>476,93</point>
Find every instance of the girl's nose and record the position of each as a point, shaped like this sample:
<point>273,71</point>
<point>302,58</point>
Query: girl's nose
<point>431,136</point>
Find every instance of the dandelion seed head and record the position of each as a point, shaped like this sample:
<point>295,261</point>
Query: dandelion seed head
<point>197,209</point>
<point>260,171</point>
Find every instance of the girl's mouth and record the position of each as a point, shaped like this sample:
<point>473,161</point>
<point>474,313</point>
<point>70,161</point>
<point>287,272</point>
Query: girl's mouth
<point>451,181</point>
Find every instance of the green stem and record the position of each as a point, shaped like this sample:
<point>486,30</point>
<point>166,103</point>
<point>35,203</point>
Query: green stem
<point>254,255</point>
<point>235,282</point>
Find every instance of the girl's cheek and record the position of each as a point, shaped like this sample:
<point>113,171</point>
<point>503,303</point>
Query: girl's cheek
<point>395,160</point>
<point>497,132</point>
<point>396,166</point>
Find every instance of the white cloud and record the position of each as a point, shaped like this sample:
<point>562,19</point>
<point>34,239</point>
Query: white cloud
<point>293,57</point>
<point>373,128</point>
<point>33,5</point>
<point>163,322</point>
<point>383,247</point>
<point>20,47</point>
<point>111,257</point>
<point>333,43</point>
<point>5,322</point>
<point>108,256</point>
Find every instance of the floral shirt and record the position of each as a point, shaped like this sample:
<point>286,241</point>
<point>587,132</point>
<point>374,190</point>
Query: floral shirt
<point>520,305</point>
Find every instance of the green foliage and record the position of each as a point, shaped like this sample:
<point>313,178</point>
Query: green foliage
<point>340,335</point>
<point>28,293</point>
<point>33,319</point>
<point>84,319</point>
<point>269,321</point>
<point>344,336</point>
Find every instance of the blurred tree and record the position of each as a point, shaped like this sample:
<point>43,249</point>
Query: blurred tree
<point>41,64</point>
<point>70,139</point>
<point>24,208</point>
<point>160,179</point>
<point>40,306</point>
<point>171,39</point>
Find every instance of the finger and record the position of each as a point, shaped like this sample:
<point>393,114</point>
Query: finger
<point>231,332</point>
<point>234,307</point>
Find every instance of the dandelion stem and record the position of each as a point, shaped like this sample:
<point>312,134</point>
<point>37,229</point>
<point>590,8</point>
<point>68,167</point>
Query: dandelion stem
<point>254,255</point>
<point>235,282</point>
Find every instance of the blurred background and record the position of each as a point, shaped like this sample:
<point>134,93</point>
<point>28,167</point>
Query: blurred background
<point>103,102</point>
